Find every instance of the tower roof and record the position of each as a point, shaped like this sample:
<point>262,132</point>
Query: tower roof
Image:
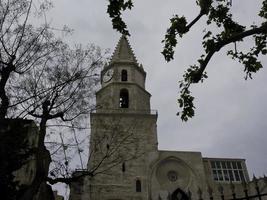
<point>123,51</point>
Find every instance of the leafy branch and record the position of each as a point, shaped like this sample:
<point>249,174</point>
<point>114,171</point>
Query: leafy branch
<point>114,10</point>
<point>218,14</point>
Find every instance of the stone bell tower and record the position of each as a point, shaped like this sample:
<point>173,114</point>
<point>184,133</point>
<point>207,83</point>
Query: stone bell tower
<point>123,131</point>
<point>123,152</point>
<point>123,83</point>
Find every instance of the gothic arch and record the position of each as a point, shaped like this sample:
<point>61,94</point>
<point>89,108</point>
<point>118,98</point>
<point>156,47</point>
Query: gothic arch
<point>138,185</point>
<point>124,98</point>
<point>124,75</point>
<point>179,194</point>
<point>158,172</point>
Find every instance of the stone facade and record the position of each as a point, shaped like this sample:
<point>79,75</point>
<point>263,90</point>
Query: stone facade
<point>123,147</point>
<point>18,143</point>
<point>20,135</point>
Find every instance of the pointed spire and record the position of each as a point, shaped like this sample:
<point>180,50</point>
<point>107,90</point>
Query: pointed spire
<point>123,51</point>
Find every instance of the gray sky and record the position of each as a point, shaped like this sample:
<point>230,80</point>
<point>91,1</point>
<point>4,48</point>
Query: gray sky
<point>231,113</point>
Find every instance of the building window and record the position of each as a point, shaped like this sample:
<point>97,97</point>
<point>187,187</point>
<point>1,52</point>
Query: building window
<point>124,98</point>
<point>227,171</point>
<point>138,186</point>
<point>124,76</point>
<point>123,167</point>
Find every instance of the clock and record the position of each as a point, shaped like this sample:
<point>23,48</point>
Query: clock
<point>108,75</point>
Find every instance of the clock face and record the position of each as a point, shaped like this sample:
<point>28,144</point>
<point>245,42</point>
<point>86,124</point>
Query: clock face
<point>108,75</point>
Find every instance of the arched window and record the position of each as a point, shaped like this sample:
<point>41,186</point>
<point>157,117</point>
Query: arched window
<point>124,98</point>
<point>123,167</point>
<point>124,76</point>
<point>138,186</point>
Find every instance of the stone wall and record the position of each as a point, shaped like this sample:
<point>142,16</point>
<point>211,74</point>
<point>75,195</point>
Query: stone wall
<point>171,171</point>
<point>18,144</point>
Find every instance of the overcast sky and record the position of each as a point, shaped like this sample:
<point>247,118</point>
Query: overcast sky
<point>231,113</point>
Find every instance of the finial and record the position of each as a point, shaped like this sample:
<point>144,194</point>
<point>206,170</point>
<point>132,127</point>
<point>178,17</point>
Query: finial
<point>254,177</point>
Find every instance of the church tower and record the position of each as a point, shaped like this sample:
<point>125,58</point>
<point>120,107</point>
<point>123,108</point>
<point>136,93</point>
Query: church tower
<point>123,83</point>
<point>123,130</point>
<point>124,155</point>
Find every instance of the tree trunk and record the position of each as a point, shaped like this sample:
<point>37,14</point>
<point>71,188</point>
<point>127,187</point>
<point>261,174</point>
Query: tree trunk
<point>5,74</point>
<point>42,166</point>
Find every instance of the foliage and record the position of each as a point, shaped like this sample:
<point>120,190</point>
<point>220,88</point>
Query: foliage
<point>218,14</point>
<point>41,77</point>
<point>114,10</point>
<point>22,45</point>
<point>65,81</point>
<point>18,155</point>
<point>44,79</point>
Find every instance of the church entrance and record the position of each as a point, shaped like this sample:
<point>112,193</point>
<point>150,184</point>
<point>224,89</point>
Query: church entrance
<point>179,194</point>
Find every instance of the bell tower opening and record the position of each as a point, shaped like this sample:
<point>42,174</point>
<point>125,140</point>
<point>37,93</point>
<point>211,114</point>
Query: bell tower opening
<point>124,75</point>
<point>124,98</point>
<point>138,186</point>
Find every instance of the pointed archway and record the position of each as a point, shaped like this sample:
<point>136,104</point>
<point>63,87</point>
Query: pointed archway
<point>179,194</point>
